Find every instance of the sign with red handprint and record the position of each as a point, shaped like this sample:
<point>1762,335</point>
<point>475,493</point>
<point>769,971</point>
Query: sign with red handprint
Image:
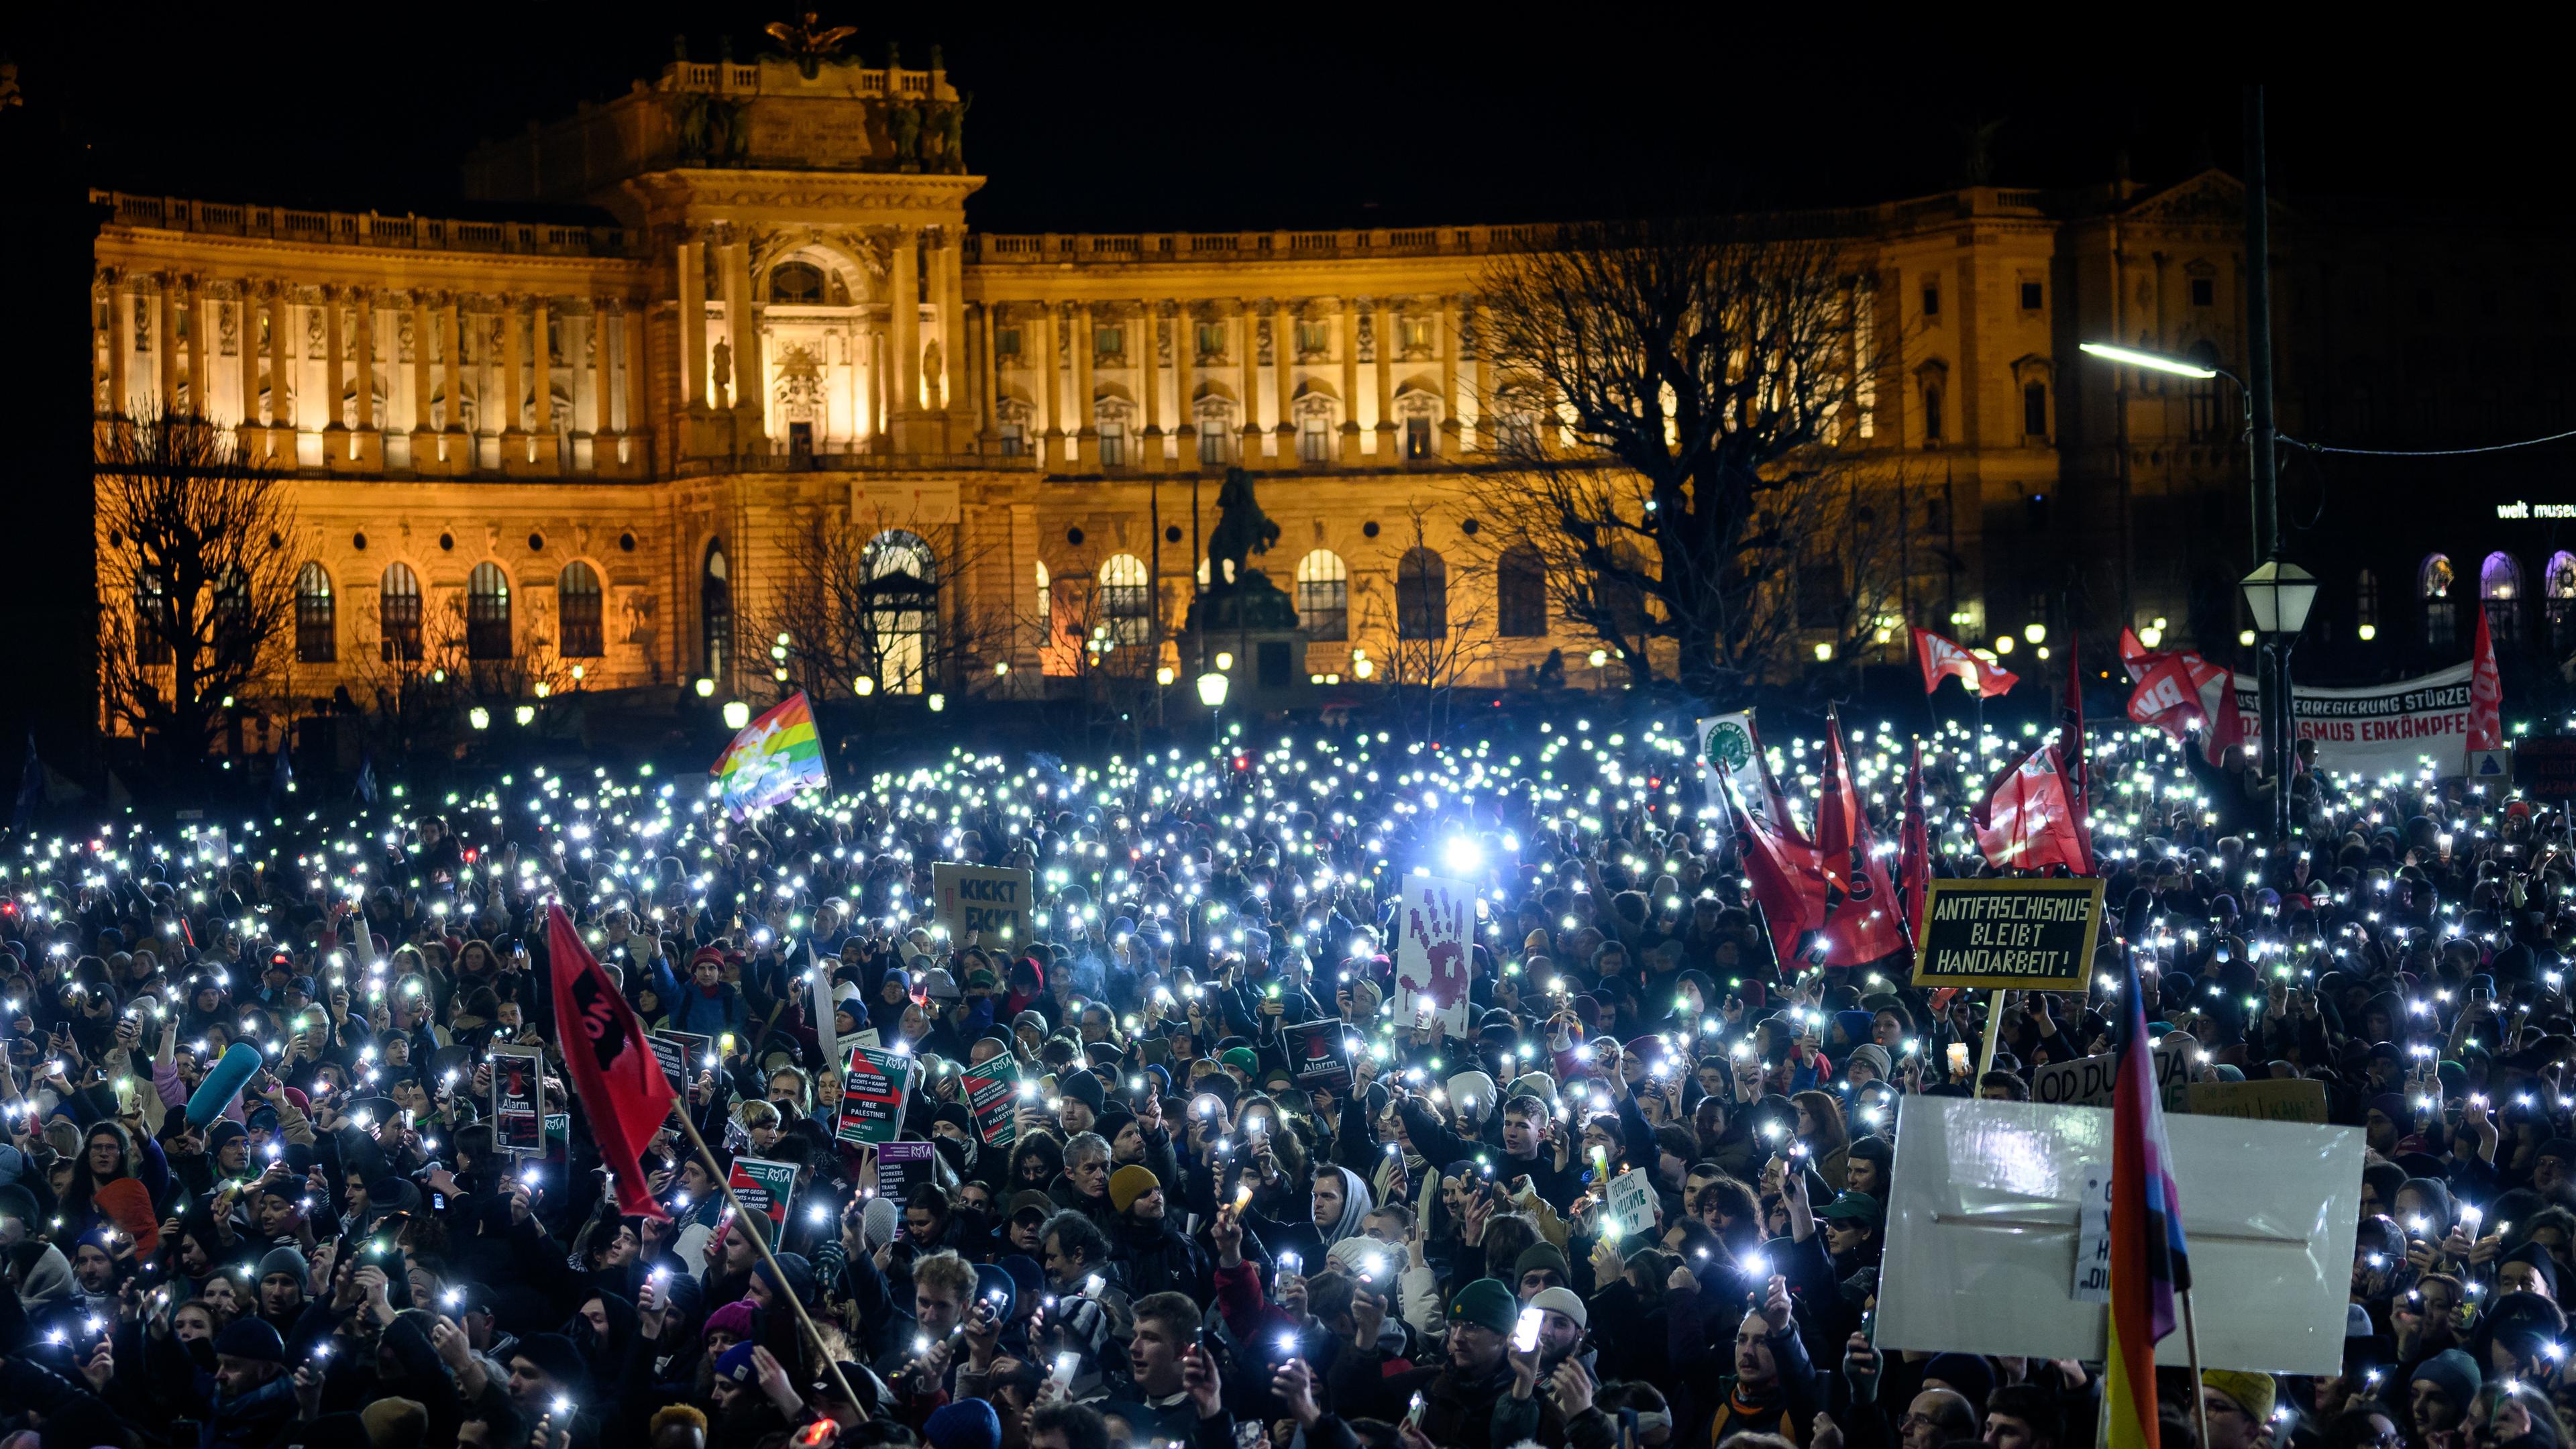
<point>1434,959</point>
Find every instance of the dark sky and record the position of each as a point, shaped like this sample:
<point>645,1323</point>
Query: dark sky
<point>1148,117</point>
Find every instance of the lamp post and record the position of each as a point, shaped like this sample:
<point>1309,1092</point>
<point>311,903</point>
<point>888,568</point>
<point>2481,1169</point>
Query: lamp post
<point>1212,687</point>
<point>2277,592</point>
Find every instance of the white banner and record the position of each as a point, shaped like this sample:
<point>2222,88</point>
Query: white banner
<point>2379,729</point>
<point>1435,934</point>
<point>1726,752</point>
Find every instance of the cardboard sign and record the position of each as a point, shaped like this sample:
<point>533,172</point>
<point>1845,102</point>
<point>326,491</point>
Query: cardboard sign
<point>1435,931</point>
<point>559,1136</point>
<point>1632,1202</point>
<point>517,1117</point>
<point>2275,1099</point>
<point>2094,1081</point>
<point>990,899</point>
<point>899,1166</point>
<point>874,1091</point>
<point>1983,1225</point>
<point>2018,934</point>
<point>2545,769</point>
<point>1726,757</point>
<point>1319,1053</point>
<point>764,1187</point>
<point>2093,1237</point>
<point>993,1095</point>
<point>682,1054</point>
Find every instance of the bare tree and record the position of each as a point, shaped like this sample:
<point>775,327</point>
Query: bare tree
<point>1676,413</point>
<point>876,598</point>
<point>1433,642</point>
<point>198,583</point>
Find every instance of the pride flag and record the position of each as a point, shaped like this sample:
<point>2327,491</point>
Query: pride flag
<point>773,758</point>
<point>2149,1262</point>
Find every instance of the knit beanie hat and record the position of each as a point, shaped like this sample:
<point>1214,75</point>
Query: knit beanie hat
<point>1487,1303</point>
<point>2253,1393</point>
<point>1130,1183</point>
<point>395,1423</point>
<point>734,1318</point>
<point>1472,1092</point>
<point>735,1366</point>
<point>1542,1256</point>
<point>2453,1372</point>
<point>286,1260</point>
<point>964,1424</point>
<point>1565,1301</point>
<point>1872,1053</point>
<point>253,1339</point>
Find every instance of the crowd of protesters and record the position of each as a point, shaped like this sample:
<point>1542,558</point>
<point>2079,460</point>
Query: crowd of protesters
<point>1173,1237</point>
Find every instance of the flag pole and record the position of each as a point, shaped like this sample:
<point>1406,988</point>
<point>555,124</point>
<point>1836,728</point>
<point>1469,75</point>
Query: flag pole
<point>760,1240</point>
<point>1994,1033</point>
<point>2191,1348</point>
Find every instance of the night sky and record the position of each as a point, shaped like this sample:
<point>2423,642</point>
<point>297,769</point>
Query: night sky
<point>1152,118</point>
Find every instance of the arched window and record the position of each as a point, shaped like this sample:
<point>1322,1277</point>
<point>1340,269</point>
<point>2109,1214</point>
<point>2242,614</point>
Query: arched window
<point>1215,418</point>
<point>1046,598</point>
<point>796,284</point>
<point>235,640</point>
<point>487,613</point>
<point>1520,593</point>
<point>2558,581</point>
<point>1324,595</point>
<point>1127,599</point>
<point>577,601</point>
<point>398,614</point>
<point>902,605</point>
<point>1623,603</point>
<point>154,621</point>
<point>2365,600</point>
<point>1421,595</point>
<point>715,612</point>
<point>2441,611</point>
<point>1314,428</point>
<point>1113,414</point>
<point>2500,590</point>
<point>316,638</point>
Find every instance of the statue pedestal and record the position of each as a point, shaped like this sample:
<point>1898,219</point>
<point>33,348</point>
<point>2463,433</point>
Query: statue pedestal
<point>1255,624</point>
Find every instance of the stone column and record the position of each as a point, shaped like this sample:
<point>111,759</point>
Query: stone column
<point>952,329</point>
<point>1446,435</point>
<point>1249,431</point>
<point>988,412</point>
<point>120,345</point>
<point>366,347</point>
<point>1086,440</point>
<point>1349,341</point>
<point>335,365</point>
<point>631,322</point>
<point>281,366</point>
<point>1283,380</point>
<point>905,336</point>
<point>542,443</point>
<point>165,341</point>
<point>1388,451</point>
<point>201,332</point>
<point>246,353</point>
<point>422,443</point>
<point>1149,325</point>
<point>513,430</point>
<point>1185,360</point>
<point>693,325</point>
<point>1042,381</point>
<point>451,344</point>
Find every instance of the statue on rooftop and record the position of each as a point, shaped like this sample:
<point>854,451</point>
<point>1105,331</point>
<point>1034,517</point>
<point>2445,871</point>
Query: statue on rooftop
<point>807,43</point>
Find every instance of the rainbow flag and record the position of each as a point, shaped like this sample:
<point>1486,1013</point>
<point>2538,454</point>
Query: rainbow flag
<point>773,758</point>
<point>2149,1261</point>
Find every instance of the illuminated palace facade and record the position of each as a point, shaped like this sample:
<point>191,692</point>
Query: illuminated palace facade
<point>607,443</point>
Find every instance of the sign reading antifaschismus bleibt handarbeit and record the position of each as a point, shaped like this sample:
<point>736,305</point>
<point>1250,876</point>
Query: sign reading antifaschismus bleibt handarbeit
<point>2020,934</point>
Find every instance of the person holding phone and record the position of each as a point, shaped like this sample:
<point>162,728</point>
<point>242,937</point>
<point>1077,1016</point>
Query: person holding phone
<point>1486,1395</point>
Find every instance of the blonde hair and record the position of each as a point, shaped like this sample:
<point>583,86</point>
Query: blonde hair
<point>754,1114</point>
<point>945,1270</point>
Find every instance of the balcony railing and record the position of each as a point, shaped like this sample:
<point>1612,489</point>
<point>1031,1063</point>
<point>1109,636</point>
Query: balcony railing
<point>363,228</point>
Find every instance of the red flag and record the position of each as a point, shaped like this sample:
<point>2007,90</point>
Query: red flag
<point>614,1073</point>
<point>1914,849</point>
<point>2134,654</point>
<point>2070,743</point>
<point>2486,693</point>
<point>1859,918</point>
<point>1838,817</point>
<point>1783,875</point>
<point>2028,822</point>
<point>1940,656</point>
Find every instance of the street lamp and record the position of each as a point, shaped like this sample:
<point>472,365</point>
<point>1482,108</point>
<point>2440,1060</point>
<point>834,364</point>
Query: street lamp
<point>736,714</point>
<point>1212,687</point>
<point>2152,361</point>
<point>2279,593</point>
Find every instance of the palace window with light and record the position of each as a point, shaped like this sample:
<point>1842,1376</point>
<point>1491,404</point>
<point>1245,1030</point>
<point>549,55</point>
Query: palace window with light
<point>487,613</point>
<point>577,596</point>
<point>899,609</point>
<point>1127,599</point>
<point>1323,595</point>
<point>2559,583</point>
<point>316,636</point>
<point>398,614</point>
<point>715,612</point>
<point>2433,580</point>
<point>2500,593</point>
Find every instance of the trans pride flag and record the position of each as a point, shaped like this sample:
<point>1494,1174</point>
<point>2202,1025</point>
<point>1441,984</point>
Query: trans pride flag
<point>2149,1262</point>
<point>773,758</point>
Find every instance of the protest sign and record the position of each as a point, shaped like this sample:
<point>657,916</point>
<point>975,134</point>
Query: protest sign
<point>899,1166</point>
<point>1726,757</point>
<point>1631,1202</point>
<point>993,1095</point>
<point>874,1091</point>
<point>764,1187</point>
<point>990,899</point>
<point>2031,934</point>
<point>516,1113</point>
<point>2093,1237</point>
<point>2545,769</point>
<point>1984,1223</point>
<point>559,1136</point>
<point>2091,1081</point>
<point>683,1055</point>
<point>1319,1054</point>
<point>1435,934</point>
<point>2378,729</point>
<point>2292,1099</point>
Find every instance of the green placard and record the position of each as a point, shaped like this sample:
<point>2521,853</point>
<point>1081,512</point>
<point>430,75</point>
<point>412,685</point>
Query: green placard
<point>874,1092</point>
